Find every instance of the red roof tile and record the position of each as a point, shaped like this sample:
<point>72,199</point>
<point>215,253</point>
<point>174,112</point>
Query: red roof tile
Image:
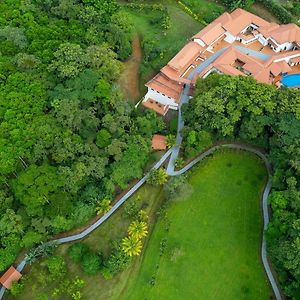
<point>9,277</point>
<point>159,142</point>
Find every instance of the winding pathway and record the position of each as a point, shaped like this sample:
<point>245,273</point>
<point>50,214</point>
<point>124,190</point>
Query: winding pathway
<point>173,154</point>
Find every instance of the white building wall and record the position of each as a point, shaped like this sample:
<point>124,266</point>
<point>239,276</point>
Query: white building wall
<point>286,58</point>
<point>248,41</point>
<point>261,39</point>
<point>229,38</point>
<point>200,42</point>
<point>285,47</point>
<point>164,100</point>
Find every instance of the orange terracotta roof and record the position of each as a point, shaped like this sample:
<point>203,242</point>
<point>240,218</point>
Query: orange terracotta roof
<point>240,19</point>
<point>285,33</point>
<point>295,60</point>
<point>264,30</point>
<point>181,61</point>
<point>166,86</point>
<point>229,70</point>
<point>263,76</point>
<point>9,277</point>
<point>279,67</point>
<point>159,142</point>
<point>157,107</point>
<point>214,30</point>
<point>170,72</point>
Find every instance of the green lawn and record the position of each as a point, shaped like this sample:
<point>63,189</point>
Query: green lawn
<point>214,237</point>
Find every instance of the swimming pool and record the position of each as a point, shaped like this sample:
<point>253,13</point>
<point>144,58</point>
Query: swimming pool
<point>292,80</point>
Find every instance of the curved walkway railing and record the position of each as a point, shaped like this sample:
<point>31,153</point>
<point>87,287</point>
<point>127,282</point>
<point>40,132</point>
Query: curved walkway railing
<point>173,154</point>
<point>265,196</point>
<point>266,192</point>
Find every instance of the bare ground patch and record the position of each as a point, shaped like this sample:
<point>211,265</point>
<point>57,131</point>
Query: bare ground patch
<point>129,80</point>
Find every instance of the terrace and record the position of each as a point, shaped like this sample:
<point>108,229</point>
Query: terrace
<point>255,46</point>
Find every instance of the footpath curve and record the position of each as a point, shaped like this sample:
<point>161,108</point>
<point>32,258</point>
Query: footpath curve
<point>170,169</point>
<point>186,168</point>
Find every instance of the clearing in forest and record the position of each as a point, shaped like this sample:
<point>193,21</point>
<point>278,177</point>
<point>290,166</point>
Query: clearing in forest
<point>208,245</point>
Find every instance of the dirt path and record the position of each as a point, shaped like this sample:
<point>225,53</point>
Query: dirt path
<point>129,80</point>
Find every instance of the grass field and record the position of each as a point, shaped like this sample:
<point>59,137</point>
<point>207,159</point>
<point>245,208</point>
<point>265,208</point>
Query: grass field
<point>213,241</point>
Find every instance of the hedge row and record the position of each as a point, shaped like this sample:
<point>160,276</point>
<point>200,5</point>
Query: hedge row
<point>277,10</point>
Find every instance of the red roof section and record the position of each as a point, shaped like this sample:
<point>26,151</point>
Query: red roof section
<point>166,86</point>
<point>159,142</point>
<point>9,277</point>
<point>185,57</point>
<point>157,107</point>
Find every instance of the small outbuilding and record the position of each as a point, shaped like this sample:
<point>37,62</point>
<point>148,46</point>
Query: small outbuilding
<point>159,142</point>
<point>10,276</point>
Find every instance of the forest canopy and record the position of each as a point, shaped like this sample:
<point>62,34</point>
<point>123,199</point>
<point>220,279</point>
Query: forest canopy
<point>68,138</point>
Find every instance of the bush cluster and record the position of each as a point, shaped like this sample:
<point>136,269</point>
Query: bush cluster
<point>279,11</point>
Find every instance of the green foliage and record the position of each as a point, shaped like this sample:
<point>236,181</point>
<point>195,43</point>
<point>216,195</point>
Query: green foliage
<point>56,267</point>
<point>278,10</point>
<point>116,262</point>
<point>91,263</point>
<point>16,288</point>
<point>131,207</point>
<point>197,141</point>
<point>179,162</point>
<point>232,4</point>
<point>103,206</point>
<point>170,140</point>
<point>77,251</point>
<point>67,137</point>
<point>158,177</point>
<point>238,108</point>
<point>103,138</point>
<point>175,187</point>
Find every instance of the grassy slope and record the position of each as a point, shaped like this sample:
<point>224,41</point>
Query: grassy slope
<point>96,287</point>
<point>183,27</point>
<point>214,238</point>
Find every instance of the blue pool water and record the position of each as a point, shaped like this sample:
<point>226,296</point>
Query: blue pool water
<point>291,80</point>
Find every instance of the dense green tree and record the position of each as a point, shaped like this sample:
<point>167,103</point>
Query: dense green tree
<point>91,263</point>
<point>69,60</point>
<point>67,137</point>
<point>77,251</point>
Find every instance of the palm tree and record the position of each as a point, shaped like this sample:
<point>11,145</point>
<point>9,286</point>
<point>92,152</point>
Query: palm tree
<point>142,216</point>
<point>138,229</point>
<point>103,206</point>
<point>170,140</point>
<point>158,177</point>
<point>131,246</point>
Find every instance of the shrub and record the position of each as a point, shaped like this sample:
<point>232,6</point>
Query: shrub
<point>158,177</point>
<point>279,11</point>
<point>56,267</point>
<point>77,251</point>
<point>91,263</point>
<point>116,262</point>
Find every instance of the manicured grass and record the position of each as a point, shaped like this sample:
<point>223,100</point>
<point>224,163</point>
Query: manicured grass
<point>213,242</point>
<point>96,287</point>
